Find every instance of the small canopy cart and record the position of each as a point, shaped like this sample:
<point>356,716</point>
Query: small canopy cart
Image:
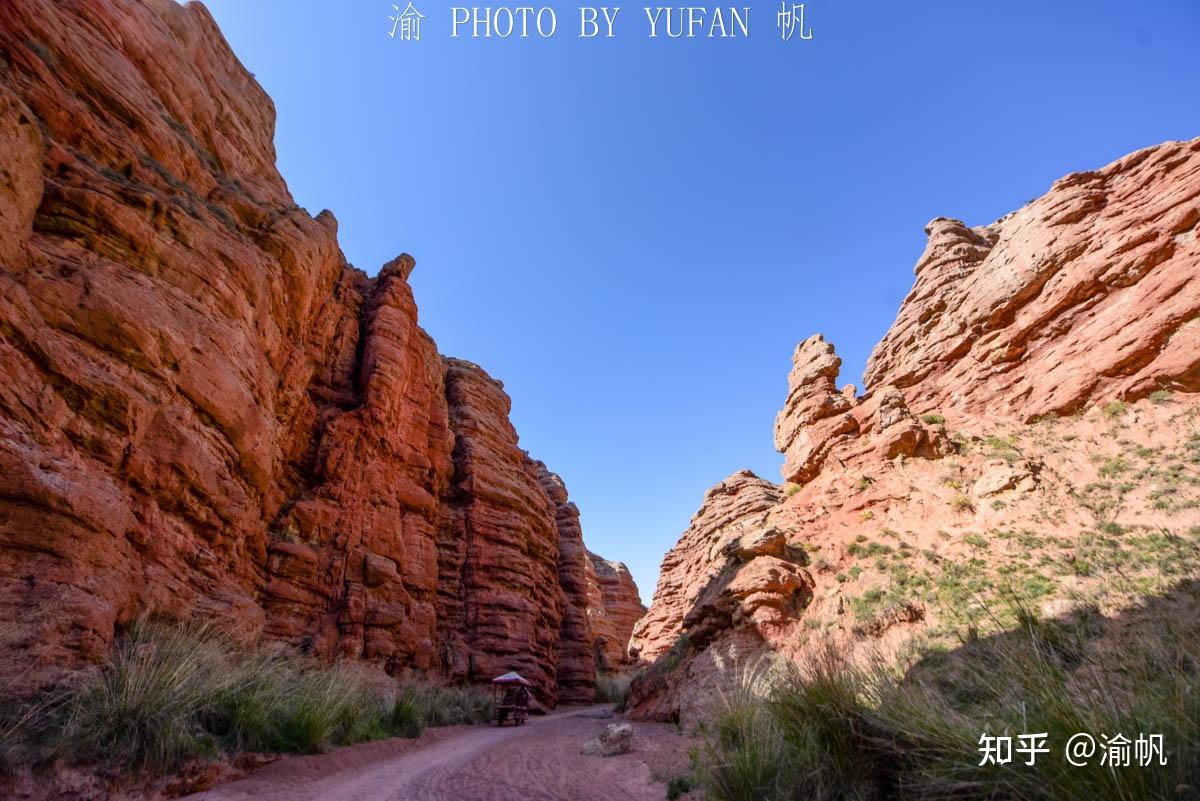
<point>512,698</point>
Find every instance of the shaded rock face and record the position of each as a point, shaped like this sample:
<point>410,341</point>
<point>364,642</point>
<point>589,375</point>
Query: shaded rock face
<point>504,566</point>
<point>205,411</point>
<point>728,569</point>
<point>1088,294</point>
<point>576,665</point>
<point>614,607</point>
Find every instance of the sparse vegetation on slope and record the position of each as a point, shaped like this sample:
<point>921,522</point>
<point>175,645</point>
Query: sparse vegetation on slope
<point>834,730</point>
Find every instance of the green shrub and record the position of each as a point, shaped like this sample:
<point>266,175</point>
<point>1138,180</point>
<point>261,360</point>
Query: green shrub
<point>139,711</point>
<point>976,540</point>
<point>613,688</point>
<point>437,705</point>
<point>1115,409</point>
<point>168,694</point>
<point>749,756</point>
<point>671,659</point>
<point>679,786</point>
<point>407,718</point>
<point>327,707</point>
<point>1114,467</point>
<point>933,419</point>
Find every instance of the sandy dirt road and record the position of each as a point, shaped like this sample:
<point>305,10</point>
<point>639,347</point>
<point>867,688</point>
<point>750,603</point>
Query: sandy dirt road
<point>540,761</point>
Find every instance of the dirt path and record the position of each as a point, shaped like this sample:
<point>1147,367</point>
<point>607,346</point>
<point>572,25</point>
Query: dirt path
<point>540,761</point>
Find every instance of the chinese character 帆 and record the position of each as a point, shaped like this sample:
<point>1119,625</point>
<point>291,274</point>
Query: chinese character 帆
<point>792,19</point>
<point>407,23</point>
<point>1147,747</point>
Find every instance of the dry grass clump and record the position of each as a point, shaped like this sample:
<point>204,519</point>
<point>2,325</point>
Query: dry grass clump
<point>168,694</point>
<point>613,688</point>
<point>842,731</point>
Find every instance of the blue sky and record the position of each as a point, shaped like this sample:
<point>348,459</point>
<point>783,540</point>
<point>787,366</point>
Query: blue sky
<point>633,234</point>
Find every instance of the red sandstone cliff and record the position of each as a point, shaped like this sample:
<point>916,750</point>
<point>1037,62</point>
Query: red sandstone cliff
<point>911,508</point>
<point>1087,293</point>
<point>614,607</point>
<point>205,410</point>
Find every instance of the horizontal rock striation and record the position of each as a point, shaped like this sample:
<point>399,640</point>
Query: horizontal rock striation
<point>614,608</point>
<point>577,663</point>
<point>506,571</point>
<point>701,583</point>
<point>206,411</point>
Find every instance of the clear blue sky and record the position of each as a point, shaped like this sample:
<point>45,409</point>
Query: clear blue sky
<point>633,234</point>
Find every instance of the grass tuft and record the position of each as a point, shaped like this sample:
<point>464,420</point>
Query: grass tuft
<point>169,694</point>
<point>836,730</point>
<point>613,688</point>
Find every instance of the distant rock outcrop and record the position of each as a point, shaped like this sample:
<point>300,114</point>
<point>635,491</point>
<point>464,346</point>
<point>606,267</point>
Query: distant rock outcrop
<point>713,575</point>
<point>614,607</point>
<point>205,411</point>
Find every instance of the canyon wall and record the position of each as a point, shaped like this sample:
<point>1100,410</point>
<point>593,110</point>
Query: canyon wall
<point>1034,360</point>
<point>614,607</point>
<point>206,411</point>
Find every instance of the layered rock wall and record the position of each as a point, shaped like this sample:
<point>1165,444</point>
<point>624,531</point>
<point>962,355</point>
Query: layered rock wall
<point>577,640</point>
<point>707,578</point>
<point>204,410</point>
<point>1086,294</point>
<point>614,607</point>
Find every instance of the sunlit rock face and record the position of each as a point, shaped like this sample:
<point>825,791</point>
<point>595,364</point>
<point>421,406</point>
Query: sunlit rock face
<point>1086,294</point>
<point>206,412</point>
<point>1086,301</point>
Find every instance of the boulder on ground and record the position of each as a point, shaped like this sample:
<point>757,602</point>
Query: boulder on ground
<point>617,738</point>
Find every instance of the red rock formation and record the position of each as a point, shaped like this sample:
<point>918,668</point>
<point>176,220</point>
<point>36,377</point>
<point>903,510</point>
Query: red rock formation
<point>204,410</point>
<point>576,663</point>
<point>1090,293</point>
<point>818,420</point>
<point>614,607</point>
<point>352,568</point>
<point>1087,294</point>
<point>728,567</point>
<point>507,574</point>
<point>816,415</point>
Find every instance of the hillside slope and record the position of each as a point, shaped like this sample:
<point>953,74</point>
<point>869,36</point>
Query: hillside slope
<point>1030,431</point>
